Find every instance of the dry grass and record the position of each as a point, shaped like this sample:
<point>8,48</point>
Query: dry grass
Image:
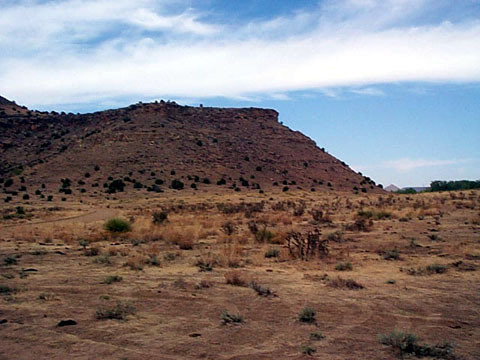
<point>179,295</point>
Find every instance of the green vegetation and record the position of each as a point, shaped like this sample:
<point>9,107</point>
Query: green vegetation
<point>307,350</point>
<point>117,225</point>
<point>112,279</point>
<point>346,266</point>
<point>406,343</point>
<point>439,185</point>
<point>307,315</point>
<point>228,318</point>
<point>177,184</point>
<point>118,312</point>
<point>272,253</point>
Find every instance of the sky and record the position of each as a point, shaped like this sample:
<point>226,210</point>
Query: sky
<point>391,87</point>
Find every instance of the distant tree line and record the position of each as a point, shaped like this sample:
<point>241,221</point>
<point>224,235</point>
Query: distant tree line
<point>440,185</point>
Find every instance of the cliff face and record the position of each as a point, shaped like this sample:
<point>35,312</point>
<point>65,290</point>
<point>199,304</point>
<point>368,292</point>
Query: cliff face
<point>145,144</point>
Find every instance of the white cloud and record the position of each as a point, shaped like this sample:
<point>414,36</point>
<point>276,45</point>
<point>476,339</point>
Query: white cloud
<point>78,51</point>
<point>370,91</point>
<point>406,164</point>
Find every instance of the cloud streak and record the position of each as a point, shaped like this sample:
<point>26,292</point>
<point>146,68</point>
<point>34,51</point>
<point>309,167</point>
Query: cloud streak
<point>85,51</point>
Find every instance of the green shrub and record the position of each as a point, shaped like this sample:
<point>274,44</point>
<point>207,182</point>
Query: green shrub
<point>4,289</point>
<point>153,260</point>
<point>177,184</point>
<point>307,315</point>
<point>118,225</point>
<point>346,266</point>
<point>341,283</point>
<point>112,279</point>
<point>261,290</point>
<point>264,235</point>
<point>272,253</point>
<point>118,312</point>
<point>228,318</point>
<point>102,259</point>
<point>10,260</point>
<point>406,343</point>
<point>436,269</point>
<point>391,255</point>
<point>307,350</point>
<point>316,336</point>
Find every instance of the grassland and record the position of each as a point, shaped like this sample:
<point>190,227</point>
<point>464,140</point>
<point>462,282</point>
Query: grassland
<point>250,276</point>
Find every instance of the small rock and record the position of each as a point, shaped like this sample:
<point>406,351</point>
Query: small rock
<point>30,269</point>
<point>59,252</point>
<point>194,335</point>
<point>66,323</point>
<point>3,321</point>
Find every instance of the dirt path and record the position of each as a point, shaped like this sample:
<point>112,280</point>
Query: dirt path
<point>97,215</point>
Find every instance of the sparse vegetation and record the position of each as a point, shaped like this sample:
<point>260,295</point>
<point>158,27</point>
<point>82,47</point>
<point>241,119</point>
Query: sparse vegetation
<point>117,225</point>
<point>228,318</point>
<point>307,315</point>
<point>112,279</point>
<point>120,311</point>
<point>408,344</point>
<point>344,266</point>
<point>341,283</point>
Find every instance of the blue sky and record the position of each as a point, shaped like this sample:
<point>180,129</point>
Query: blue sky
<point>391,87</point>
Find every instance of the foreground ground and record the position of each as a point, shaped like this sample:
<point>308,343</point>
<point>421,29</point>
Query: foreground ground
<point>390,262</point>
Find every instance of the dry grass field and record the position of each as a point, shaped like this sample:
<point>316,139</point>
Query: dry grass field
<point>247,276</point>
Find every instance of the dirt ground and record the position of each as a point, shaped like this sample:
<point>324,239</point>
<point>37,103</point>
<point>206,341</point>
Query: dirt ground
<point>385,262</point>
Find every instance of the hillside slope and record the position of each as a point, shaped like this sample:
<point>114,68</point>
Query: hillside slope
<point>147,146</point>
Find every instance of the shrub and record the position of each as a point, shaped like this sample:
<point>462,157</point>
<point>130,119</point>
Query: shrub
<point>236,278</point>
<point>336,236</point>
<point>436,269</point>
<point>112,279</point>
<point>4,289</point>
<point>307,350</point>
<point>228,228</point>
<point>93,251</point>
<point>228,318</point>
<point>153,260</point>
<point>360,224</point>
<point>115,186</point>
<point>264,235</point>
<point>117,225</point>
<point>177,184</point>
<point>320,217</point>
<point>346,266</point>
<point>345,284</point>
<point>407,343</point>
<point>305,246</point>
<point>10,260</point>
<point>261,290</point>
<point>316,336</point>
<point>103,259</point>
<point>272,253</point>
<point>159,217</point>
<point>185,242</point>
<point>307,315</point>
<point>205,265</point>
<point>391,255</point>
<point>118,312</point>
